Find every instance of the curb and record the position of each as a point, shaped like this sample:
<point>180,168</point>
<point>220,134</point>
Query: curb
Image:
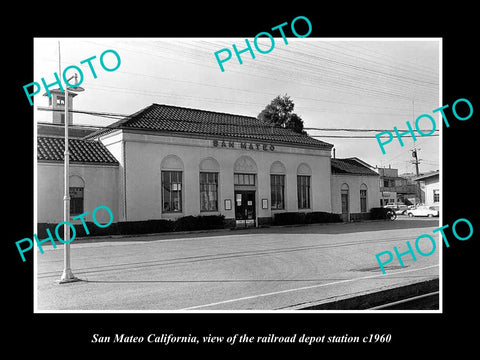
<point>373,299</point>
<point>89,238</point>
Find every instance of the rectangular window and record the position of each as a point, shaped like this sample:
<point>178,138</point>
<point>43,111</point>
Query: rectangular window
<point>436,195</point>
<point>76,200</point>
<point>172,191</point>
<point>303,191</point>
<point>243,179</point>
<point>363,200</point>
<point>208,191</point>
<point>277,187</point>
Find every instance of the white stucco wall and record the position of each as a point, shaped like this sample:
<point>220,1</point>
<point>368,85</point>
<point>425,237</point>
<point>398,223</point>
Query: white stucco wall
<point>354,182</point>
<point>431,184</point>
<point>141,155</point>
<point>100,188</point>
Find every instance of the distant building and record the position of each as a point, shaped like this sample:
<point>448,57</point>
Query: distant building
<point>430,187</point>
<point>395,189</point>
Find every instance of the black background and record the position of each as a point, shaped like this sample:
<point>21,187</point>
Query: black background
<point>66,335</point>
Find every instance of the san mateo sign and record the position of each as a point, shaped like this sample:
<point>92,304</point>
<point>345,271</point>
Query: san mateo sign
<point>242,145</point>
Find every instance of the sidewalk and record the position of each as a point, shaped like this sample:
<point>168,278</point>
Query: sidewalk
<point>400,222</point>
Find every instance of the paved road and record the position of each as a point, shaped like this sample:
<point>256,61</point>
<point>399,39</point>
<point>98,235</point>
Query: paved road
<point>261,269</point>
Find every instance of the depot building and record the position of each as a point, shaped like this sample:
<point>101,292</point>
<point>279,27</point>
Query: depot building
<point>165,162</point>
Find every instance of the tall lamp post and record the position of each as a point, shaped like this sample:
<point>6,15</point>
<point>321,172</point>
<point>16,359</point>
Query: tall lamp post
<point>67,275</point>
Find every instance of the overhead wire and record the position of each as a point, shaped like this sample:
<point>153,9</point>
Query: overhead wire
<point>414,70</point>
<point>312,64</point>
<point>308,63</point>
<point>276,76</point>
<point>192,55</point>
<point>352,88</point>
<point>146,117</point>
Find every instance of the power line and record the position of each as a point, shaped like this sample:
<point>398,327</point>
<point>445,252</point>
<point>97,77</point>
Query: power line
<point>117,116</point>
<point>358,130</point>
<point>330,77</point>
<point>318,71</point>
<point>355,136</point>
<point>121,116</point>
<point>131,90</point>
<point>293,76</point>
<point>408,67</point>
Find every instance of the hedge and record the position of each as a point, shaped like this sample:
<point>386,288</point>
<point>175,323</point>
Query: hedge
<point>291,218</point>
<point>93,229</point>
<point>187,223</point>
<point>206,222</point>
<point>144,227</point>
<point>322,217</point>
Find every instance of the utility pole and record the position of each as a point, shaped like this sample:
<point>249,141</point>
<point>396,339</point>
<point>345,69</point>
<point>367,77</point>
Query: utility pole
<point>415,156</point>
<point>417,162</point>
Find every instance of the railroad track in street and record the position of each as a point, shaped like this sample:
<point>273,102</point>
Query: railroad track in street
<point>429,301</point>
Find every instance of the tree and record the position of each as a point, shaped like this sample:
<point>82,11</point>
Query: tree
<point>280,113</point>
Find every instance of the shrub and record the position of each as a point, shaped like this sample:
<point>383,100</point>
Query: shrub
<point>206,222</point>
<point>94,230</point>
<point>322,217</point>
<point>291,218</point>
<point>145,227</point>
<point>187,223</point>
<point>42,230</point>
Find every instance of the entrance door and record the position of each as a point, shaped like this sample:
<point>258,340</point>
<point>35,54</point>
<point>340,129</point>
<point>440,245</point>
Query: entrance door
<point>245,208</point>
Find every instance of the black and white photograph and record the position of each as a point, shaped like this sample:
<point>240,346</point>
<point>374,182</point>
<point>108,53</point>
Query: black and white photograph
<point>232,179</point>
<point>279,181</point>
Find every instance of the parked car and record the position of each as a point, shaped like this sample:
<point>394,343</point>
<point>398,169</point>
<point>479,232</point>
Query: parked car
<point>399,209</point>
<point>423,210</point>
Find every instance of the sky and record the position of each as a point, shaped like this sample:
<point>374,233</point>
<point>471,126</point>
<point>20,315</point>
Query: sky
<point>371,83</point>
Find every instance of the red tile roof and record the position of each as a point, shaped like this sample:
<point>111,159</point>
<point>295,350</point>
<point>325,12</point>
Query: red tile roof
<point>180,120</point>
<point>81,151</point>
<point>350,166</point>
<point>58,130</point>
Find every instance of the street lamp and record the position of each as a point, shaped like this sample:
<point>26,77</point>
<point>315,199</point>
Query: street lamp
<point>67,275</point>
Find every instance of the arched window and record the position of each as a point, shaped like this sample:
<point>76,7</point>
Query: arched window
<point>76,190</point>
<point>363,198</point>
<point>244,171</point>
<point>171,178</point>
<point>209,169</point>
<point>245,164</point>
<point>277,185</point>
<point>303,186</point>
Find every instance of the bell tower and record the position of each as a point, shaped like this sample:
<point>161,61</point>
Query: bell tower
<point>57,104</point>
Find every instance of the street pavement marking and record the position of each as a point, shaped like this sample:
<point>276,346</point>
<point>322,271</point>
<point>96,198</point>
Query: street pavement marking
<point>208,257</point>
<point>305,288</point>
<point>114,242</point>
